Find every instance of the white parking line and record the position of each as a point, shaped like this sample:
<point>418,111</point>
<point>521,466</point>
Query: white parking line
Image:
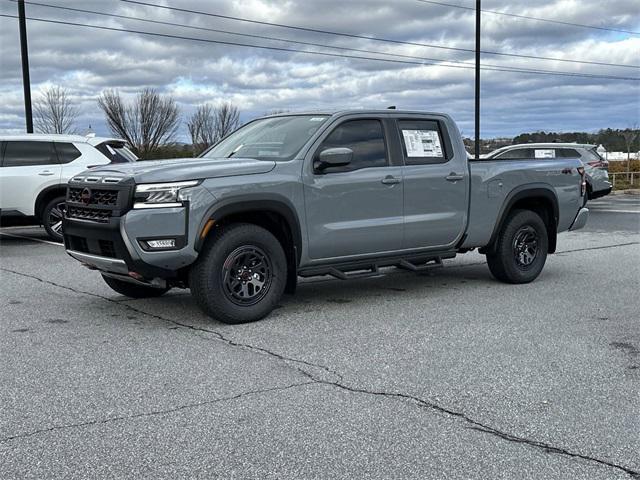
<point>32,239</point>
<point>21,227</point>
<point>614,211</point>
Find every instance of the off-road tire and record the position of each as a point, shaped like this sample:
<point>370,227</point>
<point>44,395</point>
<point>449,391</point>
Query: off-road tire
<point>132,290</point>
<point>51,211</point>
<point>218,278</point>
<point>507,260</point>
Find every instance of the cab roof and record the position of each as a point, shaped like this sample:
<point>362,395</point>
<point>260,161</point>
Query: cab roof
<point>357,111</point>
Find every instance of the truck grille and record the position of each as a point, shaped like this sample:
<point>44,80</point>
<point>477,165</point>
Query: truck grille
<point>84,213</point>
<point>105,198</point>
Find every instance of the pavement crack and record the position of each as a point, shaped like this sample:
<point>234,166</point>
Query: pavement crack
<point>151,413</point>
<point>479,426</point>
<point>599,248</point>
<point>219,336</point>
<point>474,424</point>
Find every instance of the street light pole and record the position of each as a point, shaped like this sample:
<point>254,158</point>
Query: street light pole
<point>477,114</point>
<point>26,82</point>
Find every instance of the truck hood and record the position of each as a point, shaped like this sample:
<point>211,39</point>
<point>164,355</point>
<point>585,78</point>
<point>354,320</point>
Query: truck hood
<point>178,169</point>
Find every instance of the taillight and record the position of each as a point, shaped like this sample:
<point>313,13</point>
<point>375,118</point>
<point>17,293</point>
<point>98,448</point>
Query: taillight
<point>594,164</point>
<point>583,181</point>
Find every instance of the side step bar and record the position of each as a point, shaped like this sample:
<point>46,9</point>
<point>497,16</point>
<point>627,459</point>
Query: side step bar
<point>372,268</point>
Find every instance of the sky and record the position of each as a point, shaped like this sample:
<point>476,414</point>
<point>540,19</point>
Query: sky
<point>88,61</point>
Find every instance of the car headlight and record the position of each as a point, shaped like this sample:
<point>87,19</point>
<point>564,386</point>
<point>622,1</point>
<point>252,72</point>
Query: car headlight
<point>156,195</point>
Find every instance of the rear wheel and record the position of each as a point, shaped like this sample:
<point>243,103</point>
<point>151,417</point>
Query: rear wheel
<point>240,275</point>
<point>133,290</point>
<point>51,218</point>
<point>521,249</point>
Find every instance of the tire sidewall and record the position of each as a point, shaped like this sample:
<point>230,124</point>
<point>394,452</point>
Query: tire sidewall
<point>207,278</point>
<point>45,218</point>
<point>518,220</point>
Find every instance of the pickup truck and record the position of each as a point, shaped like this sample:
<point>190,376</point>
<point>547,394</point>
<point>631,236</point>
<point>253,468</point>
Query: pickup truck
<point>332,193</point>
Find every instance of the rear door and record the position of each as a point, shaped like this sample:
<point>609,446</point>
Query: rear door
<point>356,209</point>
<point>27,169</point>
<point>436,184</point>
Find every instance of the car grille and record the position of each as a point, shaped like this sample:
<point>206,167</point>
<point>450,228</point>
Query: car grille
<point>105,198</point>
<point>92,214</point>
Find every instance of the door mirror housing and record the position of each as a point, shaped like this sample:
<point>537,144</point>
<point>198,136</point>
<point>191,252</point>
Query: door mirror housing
<point>333,157</point>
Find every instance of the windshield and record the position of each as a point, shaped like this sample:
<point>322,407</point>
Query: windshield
<point>117,152</point>
<point>276,138</point>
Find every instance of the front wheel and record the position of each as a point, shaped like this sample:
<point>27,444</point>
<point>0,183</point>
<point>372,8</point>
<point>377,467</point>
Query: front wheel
<point>52,218</point>
<point>521,248</point>
<point>240,275</point>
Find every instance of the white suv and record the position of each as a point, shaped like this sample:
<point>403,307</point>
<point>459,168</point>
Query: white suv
<point>35,169</point>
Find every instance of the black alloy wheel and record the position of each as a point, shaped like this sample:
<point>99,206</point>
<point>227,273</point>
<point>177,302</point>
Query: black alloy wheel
<point>525,246</point>
<point>246,275</point>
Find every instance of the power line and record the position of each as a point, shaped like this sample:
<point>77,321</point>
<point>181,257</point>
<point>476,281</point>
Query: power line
<point>265,37</point>
<point>326,54</point>
<point>375,39</point>
<point>527,17</point>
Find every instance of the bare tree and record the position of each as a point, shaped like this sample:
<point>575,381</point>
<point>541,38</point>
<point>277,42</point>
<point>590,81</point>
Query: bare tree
<point>150,121</point>
<point>202,128</point>
<point>227,119</point>
<point>630,135</point>
<point>54,111</point>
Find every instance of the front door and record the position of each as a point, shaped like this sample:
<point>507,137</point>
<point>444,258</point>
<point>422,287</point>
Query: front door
<point>355,209</point>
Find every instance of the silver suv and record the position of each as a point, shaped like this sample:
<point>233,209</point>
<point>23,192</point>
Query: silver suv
<point>596,167</point>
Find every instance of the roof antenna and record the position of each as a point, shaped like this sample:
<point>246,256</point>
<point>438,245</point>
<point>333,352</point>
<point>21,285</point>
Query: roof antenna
<point>391,107</point>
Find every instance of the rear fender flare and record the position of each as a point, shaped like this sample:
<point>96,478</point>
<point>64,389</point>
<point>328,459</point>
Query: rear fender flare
<point>523,192</point>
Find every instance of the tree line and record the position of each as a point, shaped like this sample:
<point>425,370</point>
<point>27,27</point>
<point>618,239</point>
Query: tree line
<point>614,140</point>
<point>149,122</point>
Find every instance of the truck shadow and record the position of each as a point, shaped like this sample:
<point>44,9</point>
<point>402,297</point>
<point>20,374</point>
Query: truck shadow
<point>326,294</point>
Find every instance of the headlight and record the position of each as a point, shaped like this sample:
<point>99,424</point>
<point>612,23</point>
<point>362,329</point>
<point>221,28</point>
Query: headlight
<point>155,195</point>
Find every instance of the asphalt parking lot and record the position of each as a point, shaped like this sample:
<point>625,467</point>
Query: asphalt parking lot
<point>442,375</point>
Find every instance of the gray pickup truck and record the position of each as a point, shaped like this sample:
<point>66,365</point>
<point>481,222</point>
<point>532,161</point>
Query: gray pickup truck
<point>295,195</point>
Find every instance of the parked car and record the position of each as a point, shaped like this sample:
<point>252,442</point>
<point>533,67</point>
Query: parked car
<point>35,169</point>
<point>340,194</point>
<point>596,167</point>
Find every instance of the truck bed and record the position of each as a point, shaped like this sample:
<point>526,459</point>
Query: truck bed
<point>494,182</point>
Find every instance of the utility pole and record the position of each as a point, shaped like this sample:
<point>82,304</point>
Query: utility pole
<point>26,82</point>
<point>477,152</point>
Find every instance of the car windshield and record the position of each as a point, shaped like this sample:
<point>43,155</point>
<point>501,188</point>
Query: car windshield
<point>275,138</point>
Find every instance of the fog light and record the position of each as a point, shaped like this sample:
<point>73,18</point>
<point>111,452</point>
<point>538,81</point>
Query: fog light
<point>162,243</point>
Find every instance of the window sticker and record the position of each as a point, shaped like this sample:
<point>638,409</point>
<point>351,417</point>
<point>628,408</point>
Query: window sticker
<point>422,143</point>
<point>551,153</point>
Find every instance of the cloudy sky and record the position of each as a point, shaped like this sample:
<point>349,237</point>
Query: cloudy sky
<point>87,61</point>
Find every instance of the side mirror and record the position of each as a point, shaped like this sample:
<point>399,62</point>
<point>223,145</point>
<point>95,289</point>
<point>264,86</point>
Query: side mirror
<point>333,157</point>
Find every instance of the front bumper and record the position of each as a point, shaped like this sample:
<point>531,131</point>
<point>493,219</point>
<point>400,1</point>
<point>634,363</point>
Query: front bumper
<point>106,247</point>
<point>98,262</point>
<point>581,219</point>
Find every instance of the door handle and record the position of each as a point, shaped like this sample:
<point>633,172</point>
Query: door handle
<point>454,177</point>
<point>390,180</point>
<point>46,173</point>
